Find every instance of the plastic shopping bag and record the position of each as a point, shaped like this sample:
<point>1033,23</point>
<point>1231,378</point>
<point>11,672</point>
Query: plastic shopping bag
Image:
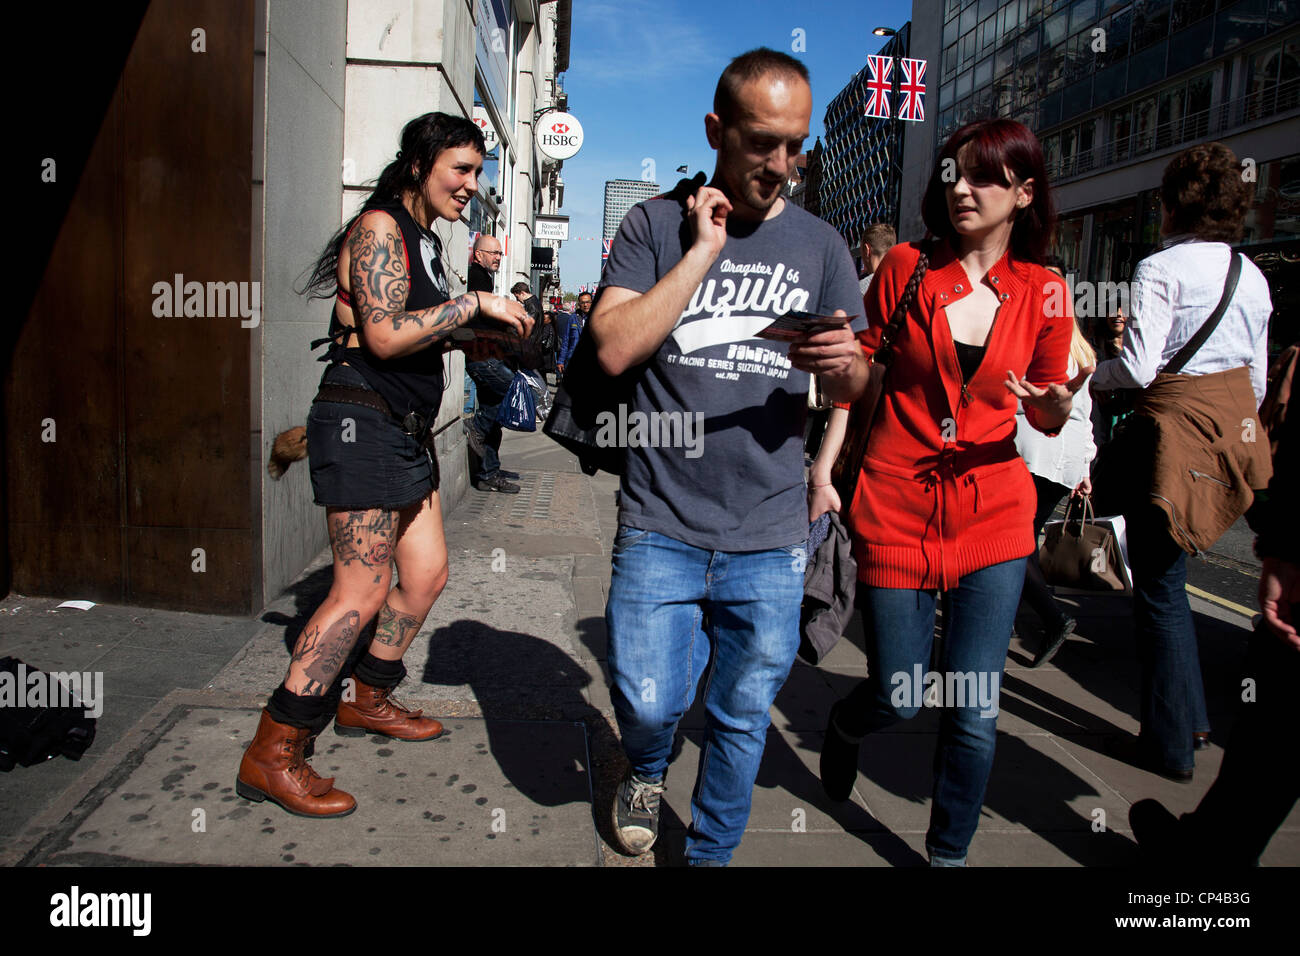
<point>519,409</point>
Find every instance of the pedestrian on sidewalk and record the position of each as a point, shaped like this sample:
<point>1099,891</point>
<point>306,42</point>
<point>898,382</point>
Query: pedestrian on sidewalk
<point>372,467</point>
<point>1184,444</point>
<point>492,378</point>
<point>943,502</point>
<point>708,562</point>
<point>1059,466</point>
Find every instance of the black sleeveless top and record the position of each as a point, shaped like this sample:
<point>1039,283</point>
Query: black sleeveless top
<point>412,383</point>
<point>969,358</point>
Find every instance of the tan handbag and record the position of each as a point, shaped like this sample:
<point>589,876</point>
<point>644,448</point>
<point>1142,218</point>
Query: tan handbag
<point>1086,553</point>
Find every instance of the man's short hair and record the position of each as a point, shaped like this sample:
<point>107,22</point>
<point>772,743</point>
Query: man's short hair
<point>520,287</point>
<point>880,237</point>
<point>587,294</point>
<point>751,66</point>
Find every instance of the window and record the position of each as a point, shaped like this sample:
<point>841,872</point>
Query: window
<point>1049,111</point>
<point>967,49</point>
<point>1082,13</point>
<point>988,34</point>
<point>987,8</point>
<point>1110,84</point>
<point>1051,68</point>
<point>967,20</point>
<point>1185,12</point>
<point>1026,84</point>
<point>1196,121</point>
<point>1079,58</point>
<point>983,72</point>
<point>950,9</point>
<point>1004,96</point>
<point>950,62</point>
<point>1076,99</point>
<point>984,103</point>
<point>1148,67</point>
<point>1238,24</point>
<point>1052,156</point>
<point>1121,132</point>
<point>950,32</point>
<point>1027,45</point>
<point>1008,19</point>
<point>1118,29</point>
<point>1171,105</point>
<point>1144,125</point>
<point>1054,28</point>
<point>963,85</point>
<point>1150,22</point>
<point>1004,60</point>
<point>946,93</point>
<point>1282,12</point>
<point>1191,47</point>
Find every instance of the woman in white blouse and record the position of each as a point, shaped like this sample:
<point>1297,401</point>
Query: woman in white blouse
<point>1174,291</point>
<point>1059,465</point>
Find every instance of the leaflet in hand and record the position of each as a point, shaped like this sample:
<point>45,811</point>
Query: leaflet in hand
<point>792,325</point>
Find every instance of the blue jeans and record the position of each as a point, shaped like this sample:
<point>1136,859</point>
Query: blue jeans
<point>900,633</point>
<point>671,608</point>
<point>1173,695</point>
<point>492,380</point>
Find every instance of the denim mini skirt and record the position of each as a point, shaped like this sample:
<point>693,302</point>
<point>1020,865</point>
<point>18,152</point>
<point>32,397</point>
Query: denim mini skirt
<point>360,458</point>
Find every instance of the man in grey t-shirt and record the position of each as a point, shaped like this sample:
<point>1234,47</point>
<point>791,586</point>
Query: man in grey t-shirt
<point>713,521</point>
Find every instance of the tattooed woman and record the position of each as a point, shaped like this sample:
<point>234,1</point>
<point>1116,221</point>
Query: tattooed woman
<point>372,464</point>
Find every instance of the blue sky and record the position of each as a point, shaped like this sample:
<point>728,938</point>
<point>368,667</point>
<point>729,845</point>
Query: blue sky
<point>641,78</point>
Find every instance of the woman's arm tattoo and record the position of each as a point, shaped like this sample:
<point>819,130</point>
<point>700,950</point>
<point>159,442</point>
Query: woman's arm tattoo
<point>380,285</point>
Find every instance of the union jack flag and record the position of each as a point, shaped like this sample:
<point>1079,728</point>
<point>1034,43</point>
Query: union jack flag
<point>912,91</point>
<point>878,85</point>
<point>604,252</point>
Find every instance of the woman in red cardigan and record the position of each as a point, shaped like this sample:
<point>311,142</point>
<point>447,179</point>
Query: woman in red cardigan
<point>943,502</point>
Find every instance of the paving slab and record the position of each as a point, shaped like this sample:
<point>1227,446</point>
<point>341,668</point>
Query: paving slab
<point>490,793</point>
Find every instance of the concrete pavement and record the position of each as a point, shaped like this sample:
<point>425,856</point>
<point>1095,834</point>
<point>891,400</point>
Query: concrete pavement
<point>512,659</point>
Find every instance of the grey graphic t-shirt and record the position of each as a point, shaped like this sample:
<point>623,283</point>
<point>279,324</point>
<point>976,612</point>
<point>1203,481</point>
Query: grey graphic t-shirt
<point>715,438</point>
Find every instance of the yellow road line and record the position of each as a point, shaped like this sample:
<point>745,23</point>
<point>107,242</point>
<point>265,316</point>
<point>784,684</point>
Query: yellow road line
<point>1223,602</point>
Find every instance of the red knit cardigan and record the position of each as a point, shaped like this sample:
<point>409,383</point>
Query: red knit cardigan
<point>942,491</point>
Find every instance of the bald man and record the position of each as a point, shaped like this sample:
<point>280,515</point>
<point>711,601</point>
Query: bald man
<point>492,379</point>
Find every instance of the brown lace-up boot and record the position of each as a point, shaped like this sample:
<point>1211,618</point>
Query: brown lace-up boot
<point>274,769</point>
<point>375,712</point>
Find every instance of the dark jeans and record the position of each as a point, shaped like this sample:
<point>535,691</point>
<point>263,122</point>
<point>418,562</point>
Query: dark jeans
<point>492,380</point>
<point>1258,783</point>
<point>1173,695</point>
<point>899,624</point>
<point>1036,593</point>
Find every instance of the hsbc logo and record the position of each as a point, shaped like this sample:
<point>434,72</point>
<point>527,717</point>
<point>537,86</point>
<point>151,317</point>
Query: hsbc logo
<point>561,138</point>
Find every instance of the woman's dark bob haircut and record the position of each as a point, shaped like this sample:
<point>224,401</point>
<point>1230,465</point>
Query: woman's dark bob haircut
<point>1205,193</point>
<point>996,145</point>
<point>423,138</point>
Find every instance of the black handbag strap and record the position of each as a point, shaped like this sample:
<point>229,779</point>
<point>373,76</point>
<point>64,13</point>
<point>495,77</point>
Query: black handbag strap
<point>1209,325</point>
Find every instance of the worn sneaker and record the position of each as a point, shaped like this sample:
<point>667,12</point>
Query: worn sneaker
<point>636,813</point>
<point>498,484</point>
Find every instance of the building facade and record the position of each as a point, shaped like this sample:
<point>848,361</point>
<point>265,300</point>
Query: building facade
<point>620,196</point>
<point>1114,89</point>
<point>861,161</point>
<point>231,138</point>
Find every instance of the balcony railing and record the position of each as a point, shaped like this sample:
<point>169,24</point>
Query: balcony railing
<point>1195,127</point>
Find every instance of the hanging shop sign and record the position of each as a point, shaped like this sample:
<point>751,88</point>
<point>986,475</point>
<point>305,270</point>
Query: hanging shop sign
<point>559,135</point>
<point>552,227</point>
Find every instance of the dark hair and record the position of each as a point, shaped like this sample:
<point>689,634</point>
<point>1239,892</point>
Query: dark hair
<point>423,138</point>
<point>587,294</point>
<point>751,66</point>
<point>520,287</point>
<point>1205,193</point>
<point>1054,262</point>
<point>879,237</point>
<point>996,145</point>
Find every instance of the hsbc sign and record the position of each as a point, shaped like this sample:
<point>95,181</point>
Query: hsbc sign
<point>559,135</point>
